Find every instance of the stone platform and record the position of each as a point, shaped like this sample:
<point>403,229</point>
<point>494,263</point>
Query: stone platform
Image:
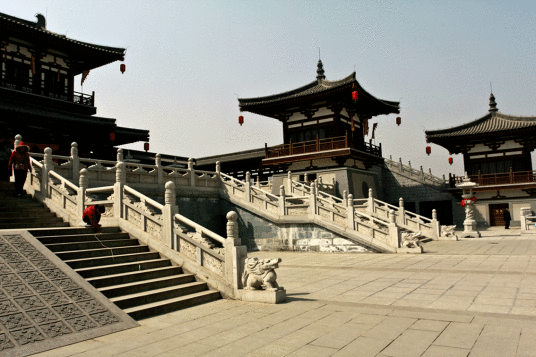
<point>44,304</point>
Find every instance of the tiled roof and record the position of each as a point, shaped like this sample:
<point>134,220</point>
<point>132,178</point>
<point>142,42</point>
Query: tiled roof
<point>315,87</point>
<point>35,26</point>
<point>234,156</point>
<point>493,122</point>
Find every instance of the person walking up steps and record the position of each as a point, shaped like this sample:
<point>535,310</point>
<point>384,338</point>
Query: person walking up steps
<point>507,218</point>
<point>20,163</point>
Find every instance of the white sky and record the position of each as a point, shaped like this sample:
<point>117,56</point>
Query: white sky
<point>188,60</point>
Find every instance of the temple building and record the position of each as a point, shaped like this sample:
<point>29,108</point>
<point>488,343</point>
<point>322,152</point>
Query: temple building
<point>324,127</point>
<point>37,97</point>
<point>496,152</point>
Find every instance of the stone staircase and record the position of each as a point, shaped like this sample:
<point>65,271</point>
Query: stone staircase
<point>23,212</point>
<point>136,279</point>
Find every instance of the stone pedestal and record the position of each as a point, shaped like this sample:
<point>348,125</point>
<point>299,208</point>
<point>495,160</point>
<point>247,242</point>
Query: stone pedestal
<point>269,297</point>
<point>416,250</point>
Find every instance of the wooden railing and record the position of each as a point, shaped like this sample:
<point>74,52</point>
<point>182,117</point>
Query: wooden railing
<point>312,146</point>
<point>503,178</point>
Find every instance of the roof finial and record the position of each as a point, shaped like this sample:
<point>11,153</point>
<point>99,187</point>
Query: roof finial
<point>319,69</point>
<point>492,103</point>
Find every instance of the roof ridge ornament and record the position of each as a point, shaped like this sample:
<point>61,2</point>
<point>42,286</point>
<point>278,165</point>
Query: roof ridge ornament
<point>320,71</point>
<point>492,103</point>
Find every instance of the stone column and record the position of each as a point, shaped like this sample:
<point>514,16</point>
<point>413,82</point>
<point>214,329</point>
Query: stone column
<point>345,198</point>
<point>312,201</point>
<point>247,188</point>
<point>401,212</point>
<point>289,182</point>
<point>350,211</point>
<point>192,172</point>
<point>83,183</point>
<point>120,180</point>
<point>282,200</point>
<point>170,210</point>
<point>75,159</point>
<point>370,206</point>
<point>48,165</point>
<point>218,172</point>
<point>18,139</point>
<point>435,225</point>
<point>159,171</point>
<point>394,231</point>
<point>119,155</point>
<point>235,253</point>
<point>305,178</point>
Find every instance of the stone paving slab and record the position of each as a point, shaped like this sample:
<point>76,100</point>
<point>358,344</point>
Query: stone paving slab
<point>328,314</point>
<point>44,304</point>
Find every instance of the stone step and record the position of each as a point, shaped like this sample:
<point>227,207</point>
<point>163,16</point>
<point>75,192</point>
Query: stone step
<point>18,204</point>
<point>145,285</point>
<point>73,238</point>
<point>118,279</point>
<point>41,212</point>
<point>35,219</point>
<point>72,231</point>
<point>123,268</point>
<point>64,247</point>
<point>103,252</point>
<point>33,225</point>
<point>116,259</point>
<point>162,307</point>
<point>151,296</point>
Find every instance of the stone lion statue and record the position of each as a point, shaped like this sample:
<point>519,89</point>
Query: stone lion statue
<point>448,231</point>
<point>411,240</point>
<point>259,273</point>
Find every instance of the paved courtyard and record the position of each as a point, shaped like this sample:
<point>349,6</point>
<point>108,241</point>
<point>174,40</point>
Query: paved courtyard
<point>474,297</point>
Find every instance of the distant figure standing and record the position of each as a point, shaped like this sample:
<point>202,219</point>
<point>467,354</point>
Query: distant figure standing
<point>20,162</point>
<point>507,218</point>
<point>5,154</point>
<point>92,216</point>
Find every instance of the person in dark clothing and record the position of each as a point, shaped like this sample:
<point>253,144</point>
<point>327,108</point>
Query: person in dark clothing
<point>19,162</point>
<point>507,218</point>
<point>92,216</point>
<point>5,154</point>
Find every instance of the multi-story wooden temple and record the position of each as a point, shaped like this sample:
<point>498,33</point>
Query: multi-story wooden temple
<point>37,97</point>
<point>496,152</point>
<point>324,128</point>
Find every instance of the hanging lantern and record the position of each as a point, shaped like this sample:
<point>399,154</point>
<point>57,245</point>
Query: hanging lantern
<point>146,147</point>
<point>122,68</point>
<point>355,96</point>
<point>428,150</point>
<point>241,120</point>
<point>398,120</point>
<point>450,160</point>
<point>112,136</point>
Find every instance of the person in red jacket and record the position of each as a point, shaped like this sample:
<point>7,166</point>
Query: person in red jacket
<point>92,216</point>
<point>19,162</point>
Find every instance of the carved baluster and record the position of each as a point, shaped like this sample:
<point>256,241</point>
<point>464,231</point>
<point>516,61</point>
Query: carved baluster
<point>120,180</point>
<point>350,211</point>
<point>282,200</point>
<point>48,165</point>
<point>168,213</point>
<point>119,155</point>
<point>192,172</point>
<point>247,188</point>
<point>159,169</point>
<point>83,183</point>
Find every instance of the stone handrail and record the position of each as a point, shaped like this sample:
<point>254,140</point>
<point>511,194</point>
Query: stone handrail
<point>418,175</point>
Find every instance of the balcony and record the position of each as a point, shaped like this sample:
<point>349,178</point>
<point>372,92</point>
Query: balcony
<point>336,147</point>
<point>24,85</point>
<point>517,178</point>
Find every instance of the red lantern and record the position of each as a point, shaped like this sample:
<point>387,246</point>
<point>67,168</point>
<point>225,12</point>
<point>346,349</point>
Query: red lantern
<point>241,120</point>
<point>122,68</point>
<point>462,203</point>
<point>398,121</point>
<point>450,160</point>
<point>474,199</point>
<point>112,136</point>
<point>355,96</point>
<point>428,150</point>
<point>146,147</point>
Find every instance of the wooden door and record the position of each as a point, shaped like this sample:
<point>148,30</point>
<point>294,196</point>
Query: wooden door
<point>496,215</point>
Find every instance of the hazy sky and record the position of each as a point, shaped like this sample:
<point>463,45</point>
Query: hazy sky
<point>187,61</point>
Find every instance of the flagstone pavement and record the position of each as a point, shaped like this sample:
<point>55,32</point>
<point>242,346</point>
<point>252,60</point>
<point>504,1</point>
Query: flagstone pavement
<point>473,297</point>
